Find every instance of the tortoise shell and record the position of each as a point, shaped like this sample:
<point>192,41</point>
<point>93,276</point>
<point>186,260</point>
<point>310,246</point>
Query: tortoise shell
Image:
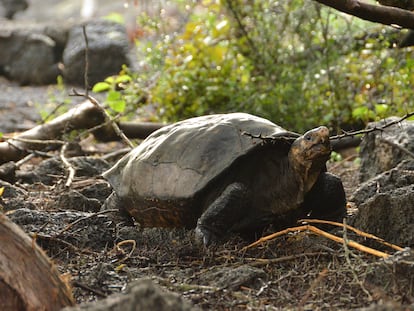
<point>180,160</point>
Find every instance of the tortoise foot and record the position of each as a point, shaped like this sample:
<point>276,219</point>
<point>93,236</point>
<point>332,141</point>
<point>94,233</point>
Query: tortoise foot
<point>205,235</point>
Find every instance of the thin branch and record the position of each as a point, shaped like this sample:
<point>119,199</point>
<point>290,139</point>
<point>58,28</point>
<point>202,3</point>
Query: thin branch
<point>349,262</point>
<point>68,166</point>
<point>69,226</point>
<point>119,249</point>
<point>37,141</point>
<point>322,275</point>
<point>355,230</point>
<point>322,233</point>
<point>372,129</point>
<point>266,261</point>
<point>107,117</point>
<point>86,73</point>
<point>242,27</point>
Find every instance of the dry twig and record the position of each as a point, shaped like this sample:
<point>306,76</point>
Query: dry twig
<point>118,249</point>
<point>84,218</point>
<point>67,164</point>
<point>355,230</point>
<point>320,232</point>
<point>107,116</point>
<point>372,129</point>
<point>312,287</point>
<point>349,262</point>
<point>266,261</point>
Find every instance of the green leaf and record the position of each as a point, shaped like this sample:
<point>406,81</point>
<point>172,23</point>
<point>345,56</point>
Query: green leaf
<point>113,95</point>
<point>117,105</point>
<point>110,80</point>
<point>381,109</point>
<point>115,17</point>
<point>115,101</point>
<point>101,87</point>
<point>123,79</point>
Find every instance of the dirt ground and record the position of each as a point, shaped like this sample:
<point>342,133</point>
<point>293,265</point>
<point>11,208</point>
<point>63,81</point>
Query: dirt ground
<point>102,253</point>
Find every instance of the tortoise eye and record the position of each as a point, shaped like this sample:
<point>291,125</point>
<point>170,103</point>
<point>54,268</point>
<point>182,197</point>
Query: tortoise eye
<point>308,137</point>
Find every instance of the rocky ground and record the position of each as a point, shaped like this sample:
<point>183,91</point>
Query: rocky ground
<point>102,254</point>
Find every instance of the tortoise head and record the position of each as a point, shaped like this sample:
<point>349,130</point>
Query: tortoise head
<point>311,150</point>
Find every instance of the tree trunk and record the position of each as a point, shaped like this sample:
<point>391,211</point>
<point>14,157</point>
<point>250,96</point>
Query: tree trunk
<point>28,279</point>
<point>373,13</point>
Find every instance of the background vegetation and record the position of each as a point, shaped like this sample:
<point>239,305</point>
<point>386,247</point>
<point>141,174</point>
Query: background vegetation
<point>295,62</point>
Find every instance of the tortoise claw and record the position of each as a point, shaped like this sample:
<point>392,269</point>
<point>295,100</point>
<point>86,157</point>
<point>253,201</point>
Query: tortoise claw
<point>205,235</point>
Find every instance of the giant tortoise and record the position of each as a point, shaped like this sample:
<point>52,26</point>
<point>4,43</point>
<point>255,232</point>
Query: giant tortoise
<point>226,173</point>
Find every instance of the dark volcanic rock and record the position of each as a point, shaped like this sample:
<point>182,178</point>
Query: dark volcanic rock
<point>398,177</point>
<point>10,7</point>
<point>385,199</point>
<point>140,295</point>
<point>87,229</point>
<point>383,150</point>
<point>233,278</point>
<point>108,51</point>
<point>29,53</point>
<point>386,205</point>
<point>50,170</point>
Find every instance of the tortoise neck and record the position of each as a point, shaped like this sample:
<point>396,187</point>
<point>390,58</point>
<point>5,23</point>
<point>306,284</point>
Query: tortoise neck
<point>306,172</point>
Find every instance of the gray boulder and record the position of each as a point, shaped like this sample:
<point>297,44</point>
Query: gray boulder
<point>232,278</point>
<point>385,199</point>
<point>108,51</point>
<point>383,150</point>
<point>140,295</point>
<point>10,7</point>
<point>29,53</point>
<point>386,205</point>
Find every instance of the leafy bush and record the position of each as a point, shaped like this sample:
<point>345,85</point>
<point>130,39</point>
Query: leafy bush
<point>294,62</point>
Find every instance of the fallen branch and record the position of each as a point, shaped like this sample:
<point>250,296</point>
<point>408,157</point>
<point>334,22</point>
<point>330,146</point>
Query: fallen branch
<point>139,130</point>
<point>46,136</point>
<point>353,229</point>
<point>320,232</point>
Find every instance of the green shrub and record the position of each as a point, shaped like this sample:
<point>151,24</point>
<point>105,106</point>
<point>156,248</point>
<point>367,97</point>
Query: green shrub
<point>294,62</point>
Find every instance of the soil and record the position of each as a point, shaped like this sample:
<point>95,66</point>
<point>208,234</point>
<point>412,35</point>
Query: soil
<point>102,252</point>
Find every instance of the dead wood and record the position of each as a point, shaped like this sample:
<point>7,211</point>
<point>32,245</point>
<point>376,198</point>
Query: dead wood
<point>322,233</point>
<point>374,128</point>
<point>139,130</point>
<point>28,279</point>
<point>373,13</point>
<point>45,136</point>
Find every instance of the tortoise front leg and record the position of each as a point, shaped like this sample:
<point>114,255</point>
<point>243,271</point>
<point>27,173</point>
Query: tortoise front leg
<point>326,200</point>
<point>224,213</point>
